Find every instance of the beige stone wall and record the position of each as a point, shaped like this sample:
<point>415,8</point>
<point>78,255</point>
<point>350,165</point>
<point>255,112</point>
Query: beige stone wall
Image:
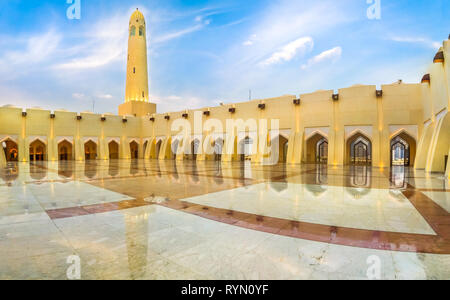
<point>418,110</point>
<point>434,142</point>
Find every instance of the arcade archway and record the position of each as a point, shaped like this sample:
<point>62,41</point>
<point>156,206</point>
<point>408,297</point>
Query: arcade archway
<point>359,150</point>
<point>11,150</point>
<point>403,150</point>
<point>195,147</point>
<point>113,148</point>
<point>317,149</point>
<point>37,151</point>
<point>90,150</point>
<point>65,150</point>
<point>134,150</point>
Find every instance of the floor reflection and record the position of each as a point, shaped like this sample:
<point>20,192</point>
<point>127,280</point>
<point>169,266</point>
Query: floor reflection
<point>152,219</point>
<point>398,175</point>
<point>10,173</point>
<point>360,176</point>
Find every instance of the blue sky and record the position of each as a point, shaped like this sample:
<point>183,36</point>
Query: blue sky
<point>205,52</point>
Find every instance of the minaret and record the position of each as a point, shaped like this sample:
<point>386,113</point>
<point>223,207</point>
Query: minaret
<point>136,92</point>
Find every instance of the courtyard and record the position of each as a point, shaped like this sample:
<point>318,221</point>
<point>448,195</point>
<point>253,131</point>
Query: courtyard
<point>151,219</point>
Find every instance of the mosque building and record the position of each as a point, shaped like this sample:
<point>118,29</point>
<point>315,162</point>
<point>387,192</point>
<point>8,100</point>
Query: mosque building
<point>398,124</point>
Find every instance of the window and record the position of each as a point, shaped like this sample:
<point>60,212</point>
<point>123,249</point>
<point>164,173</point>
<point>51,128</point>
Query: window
<point>134,70</point>
<point>143,94</point>
<point>141,31</point>
<point>133,31</point>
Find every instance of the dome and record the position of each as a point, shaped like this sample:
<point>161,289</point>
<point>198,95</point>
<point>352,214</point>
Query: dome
<point>137,15</point>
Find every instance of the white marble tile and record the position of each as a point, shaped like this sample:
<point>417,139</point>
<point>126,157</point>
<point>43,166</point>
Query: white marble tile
<point>441,198</point>
<point>416,266</point>
<point>430,182</point>
<point>72,194</point>
<point>371,209</point>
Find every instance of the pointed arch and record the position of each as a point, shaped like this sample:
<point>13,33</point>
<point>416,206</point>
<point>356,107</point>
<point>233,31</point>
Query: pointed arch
<point>90,150</point>
<point>11,149</point>
<point>358,149</point>
<point>113,149</point>
<point>9,137</point>
<point>403,149</point>
<point>317,148</point>
<point>134,149</point>
<point>65,150</point>
<point>316,132</point>
<point>38,138</point>
<point>403,131</point>
<point>38,150</point>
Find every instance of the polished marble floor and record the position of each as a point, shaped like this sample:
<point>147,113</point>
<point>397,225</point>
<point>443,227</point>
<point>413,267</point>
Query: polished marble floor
<point>206,220</point>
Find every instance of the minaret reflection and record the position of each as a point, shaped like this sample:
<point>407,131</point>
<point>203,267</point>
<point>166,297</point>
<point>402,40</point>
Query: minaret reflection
<point>136,235</point>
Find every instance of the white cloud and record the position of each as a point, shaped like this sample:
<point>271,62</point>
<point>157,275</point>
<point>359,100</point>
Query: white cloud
<point>177,34</point>
<point>332,54</point>
<point>174,103</point>
<point>237,22</point>
<point>20,97</point>
<point>250,41</point>
<point>29,53</point>
<point>78,96</point>
<point>39,48</point>
<point>417,40</point>
<point>103,43</point>
<point>105,96</point>
<point>289,51</point>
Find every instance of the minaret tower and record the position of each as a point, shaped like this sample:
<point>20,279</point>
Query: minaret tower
<point>136,93</point>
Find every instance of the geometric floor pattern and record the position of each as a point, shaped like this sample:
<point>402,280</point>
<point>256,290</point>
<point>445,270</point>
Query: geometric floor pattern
<point>208,220</point>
